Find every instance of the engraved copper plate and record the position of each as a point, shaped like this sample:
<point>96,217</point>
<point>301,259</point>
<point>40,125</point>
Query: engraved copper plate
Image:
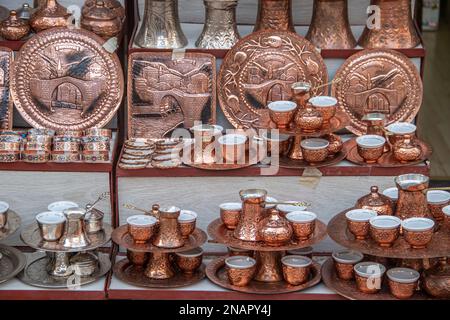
<point>348,289</point>
<point>6,104</point>
<point>218,232</point>
<point>32,237</point>
<point>64,79</point>
<point>11,263</point>
<point>261,68</point>
<point>122,238</point>
<point>378,81</point>
<point>388,159</point>
<point>134,275</point>
<point>166,91</point>
<point>12,224</point>
<point>216,272</point>
<point>35,273</point>
<point>438,247</point>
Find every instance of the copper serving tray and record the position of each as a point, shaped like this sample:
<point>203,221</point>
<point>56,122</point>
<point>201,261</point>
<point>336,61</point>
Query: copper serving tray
<point>6,103</point>
<point>125,271</point>
<point>438,247</point>
<point>348,289</point>
<point>387,160</point>
<point>11,263</point>
<point>221,234</point>
<point>338,122</point>
<point>122,238</point>
<point>216,272</point>
<point>32,237</point>
<point>35,273</point>
<point>12,224</point>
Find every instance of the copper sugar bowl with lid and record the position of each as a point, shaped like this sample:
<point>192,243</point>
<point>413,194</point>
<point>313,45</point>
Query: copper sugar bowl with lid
<point>275,230</point>
<point>101,20</point>
<point>49,15</point>
<point>114,5</point>
<point>14,28</point>
<point>377,202</point>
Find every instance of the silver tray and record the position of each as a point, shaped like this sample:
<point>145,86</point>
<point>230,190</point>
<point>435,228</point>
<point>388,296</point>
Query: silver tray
<point>12,224</point>
<point>12,261</point>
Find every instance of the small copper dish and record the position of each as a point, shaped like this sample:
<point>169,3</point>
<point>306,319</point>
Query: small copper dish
<point>4,208</point>
<point>138,258</point>
<point>437,200</point>
<point>398,130</point>
<point>187,221</point>
<point>240,270</point>
<point>327,106</point>
<point>51,225</point>
<point>189,261</point>
<point>303,224</point>
<point>371,147</point>
<point>385,230</point>
<point>358,222</point>
<point>315,150</point>
<point>282,113</point>
<point>233,147</point>
<point>369,277</point>
<point>296,269</point>
<point>141,228</point>
<point>403,282</point>
<point>345,261</point>
<point>418,232</point>
<point>232,252</point>
<point>230,213</point>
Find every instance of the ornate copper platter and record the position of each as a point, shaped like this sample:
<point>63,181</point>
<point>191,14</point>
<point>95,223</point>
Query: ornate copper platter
<point>378,81</point>
<point>12,224</point>
<point>348,289</point>
<point>165,91</point>
<point>218,232</point>
<point>216,272</point>
<point>121,237</point>
<point>438,247</point>
<point>32,237</point>
<point>35,273</point>
<point>12,261</point>
<point>64,79</point>
<point>261,68</point>
<point>388,159</point>
<point>134,275</point>
<point>6,104</point>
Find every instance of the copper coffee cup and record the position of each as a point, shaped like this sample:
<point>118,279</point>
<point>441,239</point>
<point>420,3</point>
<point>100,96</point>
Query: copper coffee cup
<point>369,277</point>
<point>233,147</point>
<point>315,150</point>
<point>296,269</point>
<point>345,261</point>
<point>358,222</point>
<point>230,213</point>
<point>403,282</point>
<point>240,270</point>
<point>418,232</point>
<point>141,228</point>
<point>370,147</point>
<point>437,200</point>
<point>385,230</point>
<point>189,261</point>
<point>187,221</point>
<point>303,224</point>
<point>327,106</point>
<point>282,113</point>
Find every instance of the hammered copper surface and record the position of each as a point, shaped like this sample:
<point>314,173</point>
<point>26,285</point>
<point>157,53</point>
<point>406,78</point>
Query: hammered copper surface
<point>275,230</point>
<point>412,196</point>
<point>296,276</point>
<point>309,120</point>
<point>12,224</point>
<point>121,237</point>
<point>370,155</point>
<point>188,264</point>
<point>274,15</point>
<point>377,202</point>
<point>315,156</point>
<point>230,218</point>
<point>169,234</point>
<point>438,247</point>
<point>166,91</point>
<point>240,277</point>
<point>6,103</point>
<point>402,291</point>
<point>216,272</point>
<point>338,122</point>
<point>114,5</point>
<point>344,271</point>
<point>101,20</point>
<point>159,266</point>
<point>418,239</point>
<point>378,81</point>
<point>134,275</point>
<point>64,79</point>
<point>253,205</point>
<point>330,27</point>
<point>360,229</point>
<point>436,281</point>
<point>217,231</point>
<point>187,228</point>
<point>50,14</point>
<point>407,151</point>
<point>269,268</point>
<point>261,68</point>
<point>365,284</point>
<point>12,261</point>
<point>138,258</point>
<point>14,28</point>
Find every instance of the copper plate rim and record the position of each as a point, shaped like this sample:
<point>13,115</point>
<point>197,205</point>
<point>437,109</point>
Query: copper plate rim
<point>17,258</point>
<point>337,230</point>
<point>12,224</point>
<point>348,289</point>
<point>121,237</point>
<point>265,288</point>
<point>388,160</point>
<point>10,104</point>
<point>178,281</point>
<point>338,122</point>
<point>216,229</point>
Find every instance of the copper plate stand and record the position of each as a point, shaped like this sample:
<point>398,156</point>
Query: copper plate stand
<point>216,272</point>
<point>12,224</point>
<point>11,263</point>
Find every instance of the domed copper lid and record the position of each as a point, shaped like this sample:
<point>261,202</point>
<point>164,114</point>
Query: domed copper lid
<point>99,11</point>
<point>377,202</point>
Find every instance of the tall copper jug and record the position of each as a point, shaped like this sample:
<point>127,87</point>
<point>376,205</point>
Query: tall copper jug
<point>169,234</point>
<point>252,213</point>
<point>274,15</point>
<point>395,29</point>
<point>330,27</point>
<point>412,196</point>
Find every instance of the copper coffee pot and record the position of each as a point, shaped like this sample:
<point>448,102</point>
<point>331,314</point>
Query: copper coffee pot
<point>50,14</point>
<point>252,213</point>
<point>274,15</point>
<point>396,29</point>
<point>330,27</point>
<point>412,196</point>
<point>74,234</point>
<point>169,234</point>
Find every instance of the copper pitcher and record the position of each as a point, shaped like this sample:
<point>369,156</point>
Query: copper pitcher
<point>330,27</point>
<point>396,27</point>
<point>74,233</point>
<point>169,234</point>
<point>274,15</point>
<point>161,26</point>
<point>252,213</point>
<point>50,14</point>
<point>412,196</point>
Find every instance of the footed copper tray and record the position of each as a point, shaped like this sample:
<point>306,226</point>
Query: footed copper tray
<point>12,261</point>
<point>218,232</point>
<point>35,274</point>
<point>32,237</point>
<point>338,122</point>
<point>12,224</point>
<point>387,159</point>
<point>438,247</point>
<point>216,272</point>
<point>348,289</point>
<point>122,238</point>
<point>131,274</point>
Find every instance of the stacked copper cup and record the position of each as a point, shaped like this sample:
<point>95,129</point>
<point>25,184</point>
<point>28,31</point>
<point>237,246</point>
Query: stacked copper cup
<point>38,146</point>
<point>96,145</point>
<point>10,145</point>
<point>66,146</point>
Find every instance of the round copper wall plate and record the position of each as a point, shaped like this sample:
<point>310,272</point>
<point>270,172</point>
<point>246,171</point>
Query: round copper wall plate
<point>378,81</point>
<point>261,68</point>
<point>64,79</point>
